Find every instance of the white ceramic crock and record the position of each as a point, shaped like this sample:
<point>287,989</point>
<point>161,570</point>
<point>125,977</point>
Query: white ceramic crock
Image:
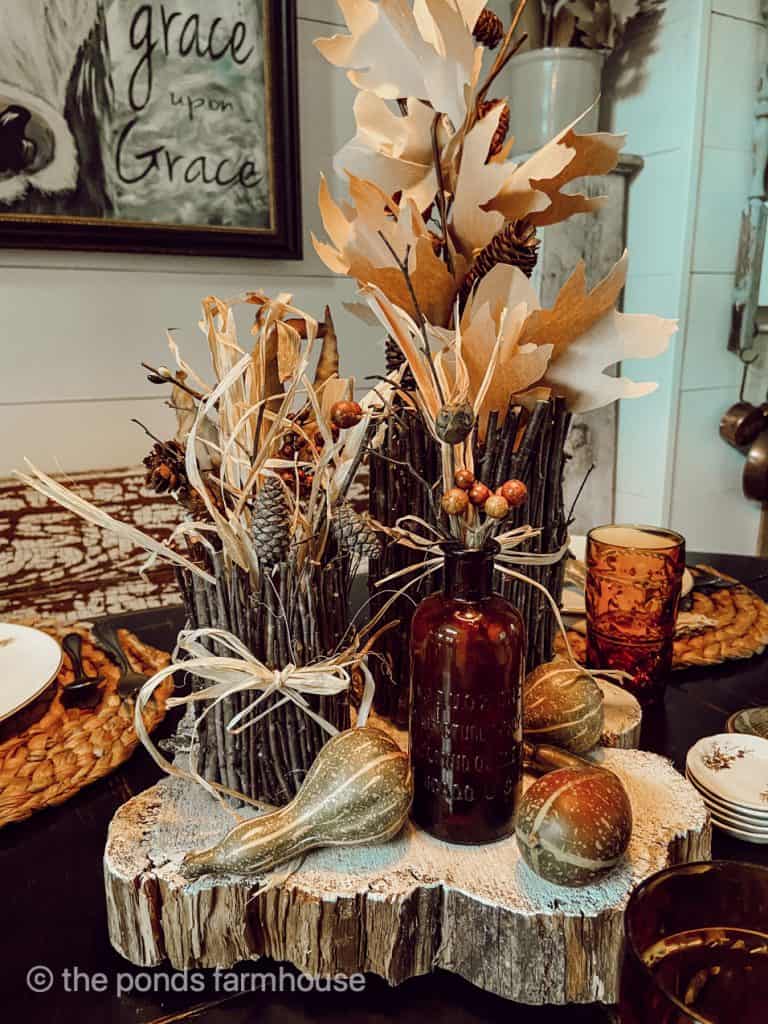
<point>547,89</point>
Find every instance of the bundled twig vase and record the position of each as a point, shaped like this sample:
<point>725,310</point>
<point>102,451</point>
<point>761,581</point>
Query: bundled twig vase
<point>288,619</point>
<point>262,465</point>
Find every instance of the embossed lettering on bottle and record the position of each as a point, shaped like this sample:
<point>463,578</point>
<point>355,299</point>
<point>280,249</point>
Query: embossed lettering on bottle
<point>467,656</point>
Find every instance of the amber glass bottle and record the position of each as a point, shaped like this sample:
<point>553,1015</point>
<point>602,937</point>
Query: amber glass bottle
<point>467,657</point>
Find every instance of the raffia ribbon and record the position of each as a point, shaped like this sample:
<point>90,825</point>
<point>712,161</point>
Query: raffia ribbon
<point>507,557</point>
<point>242,673</point>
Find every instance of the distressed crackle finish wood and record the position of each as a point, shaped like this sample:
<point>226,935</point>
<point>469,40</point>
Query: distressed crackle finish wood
<point>398,909</point>
<point>59,569</point>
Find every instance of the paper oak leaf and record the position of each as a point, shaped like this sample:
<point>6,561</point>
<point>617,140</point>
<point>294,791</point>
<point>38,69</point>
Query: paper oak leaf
<point>589,336</point>
<point>395,50</point>
<point>360,251</point>
<point>533,189</point>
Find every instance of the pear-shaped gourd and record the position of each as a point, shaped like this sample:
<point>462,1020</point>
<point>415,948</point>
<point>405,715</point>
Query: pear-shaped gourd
<point>563,706</point>
<point>574,825</point>
<point>358,790</point>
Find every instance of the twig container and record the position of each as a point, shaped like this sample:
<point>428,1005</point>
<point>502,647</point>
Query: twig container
<point>291,618</point>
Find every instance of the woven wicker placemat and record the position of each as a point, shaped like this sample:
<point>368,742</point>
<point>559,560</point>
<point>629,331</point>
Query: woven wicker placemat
<point>51,749</point>
<point>739,626</point>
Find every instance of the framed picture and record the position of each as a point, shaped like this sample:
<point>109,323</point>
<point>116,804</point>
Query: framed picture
<point>150,126</point>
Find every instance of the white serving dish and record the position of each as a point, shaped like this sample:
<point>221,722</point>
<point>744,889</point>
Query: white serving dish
<point>733,767</point>
<point>29,662</point>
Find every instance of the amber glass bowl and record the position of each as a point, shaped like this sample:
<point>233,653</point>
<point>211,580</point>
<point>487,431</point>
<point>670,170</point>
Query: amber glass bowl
<point>696,946</point>
<point>634,577</point>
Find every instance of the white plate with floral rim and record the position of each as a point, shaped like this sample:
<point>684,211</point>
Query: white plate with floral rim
<point>758,819</point>
<point>760,838</point>
<point>29,662</point>
<point>732,821</point>
<point>733,767</point>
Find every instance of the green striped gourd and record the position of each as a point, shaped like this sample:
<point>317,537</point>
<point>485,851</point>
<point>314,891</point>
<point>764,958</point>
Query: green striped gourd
<point>574,825</point>
<point>562,706</point>
<point>358,790</point>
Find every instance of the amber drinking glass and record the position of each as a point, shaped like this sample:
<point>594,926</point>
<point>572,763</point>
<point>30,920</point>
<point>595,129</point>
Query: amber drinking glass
<point>696,946</point>
<point>634,575</point>
<point>467,657</point>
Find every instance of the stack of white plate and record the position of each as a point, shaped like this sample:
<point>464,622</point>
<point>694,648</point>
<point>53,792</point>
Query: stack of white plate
<point>731,773</point>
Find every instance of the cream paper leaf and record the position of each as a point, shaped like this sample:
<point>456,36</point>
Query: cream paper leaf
<point>394,51</point>
<point>393,151</point>
<point>578,372</point>
<point>477,182</point>
<point>495,314</point>
<point>589,336</point>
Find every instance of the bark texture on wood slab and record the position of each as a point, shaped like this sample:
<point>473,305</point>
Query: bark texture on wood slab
<point>398,909</point>
<point>623,717</point>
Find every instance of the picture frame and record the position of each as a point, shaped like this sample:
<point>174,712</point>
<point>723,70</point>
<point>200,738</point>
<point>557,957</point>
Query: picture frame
<point>159,127</point>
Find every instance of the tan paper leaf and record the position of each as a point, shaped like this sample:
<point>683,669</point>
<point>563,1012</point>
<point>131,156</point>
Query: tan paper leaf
<point>532,189</point>
<point>575,309</point>
<point>363,254</point>
<point>393,151</point>
<point>589,336</point>
<point>595,154</point>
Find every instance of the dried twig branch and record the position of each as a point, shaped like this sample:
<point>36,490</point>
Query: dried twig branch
<point>417,476</point>
<point>402,266</point>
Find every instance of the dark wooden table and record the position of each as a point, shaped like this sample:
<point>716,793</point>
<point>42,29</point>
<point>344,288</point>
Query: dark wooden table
<point>53,911</point>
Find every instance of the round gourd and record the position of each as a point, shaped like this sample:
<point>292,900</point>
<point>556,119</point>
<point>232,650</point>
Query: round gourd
<point>563,706</point>
<point>574,825</point>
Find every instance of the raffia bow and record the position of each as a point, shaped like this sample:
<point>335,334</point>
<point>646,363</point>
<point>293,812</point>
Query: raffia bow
<point>241,673</point>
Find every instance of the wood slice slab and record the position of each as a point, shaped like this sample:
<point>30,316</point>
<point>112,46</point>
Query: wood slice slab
<point>398,909</point>
<point>623,717</point>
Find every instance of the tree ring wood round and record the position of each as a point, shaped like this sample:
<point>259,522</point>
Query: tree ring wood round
<point>623,717</point>
<point>399,909</point>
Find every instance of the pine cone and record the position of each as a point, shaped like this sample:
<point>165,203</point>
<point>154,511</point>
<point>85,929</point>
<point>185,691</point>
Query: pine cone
<point>501,129</point>
<point>192,500</point>
<point>354,535</point>
<point>515,244</point>
<point>489,29</point>
<point>165,468</point>
<point>270,527</point>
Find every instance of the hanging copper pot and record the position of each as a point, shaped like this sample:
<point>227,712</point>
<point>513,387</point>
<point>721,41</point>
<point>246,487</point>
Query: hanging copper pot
<point>742,423</point>
<point>754,480</point>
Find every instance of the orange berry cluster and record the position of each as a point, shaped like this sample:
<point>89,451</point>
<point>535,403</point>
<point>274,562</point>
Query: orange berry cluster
<point>470,491</point>
<point>294,445</point>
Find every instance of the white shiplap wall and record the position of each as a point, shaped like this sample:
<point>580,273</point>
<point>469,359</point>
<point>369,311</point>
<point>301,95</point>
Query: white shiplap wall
<point>75,326</point>
<point>689,114</point>
<point>707,504</point>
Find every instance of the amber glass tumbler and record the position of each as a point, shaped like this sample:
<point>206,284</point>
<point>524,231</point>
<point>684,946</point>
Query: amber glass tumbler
<point>696,946</point>
<point>634,576</point>
<point>467,658</point>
